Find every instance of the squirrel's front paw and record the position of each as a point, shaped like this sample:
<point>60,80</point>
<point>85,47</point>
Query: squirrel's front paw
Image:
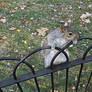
<point>53,46</point>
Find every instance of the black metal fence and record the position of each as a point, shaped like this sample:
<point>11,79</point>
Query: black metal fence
<point>17,79</point>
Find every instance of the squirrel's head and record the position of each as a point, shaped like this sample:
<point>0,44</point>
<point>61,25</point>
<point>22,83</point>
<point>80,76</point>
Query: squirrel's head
<point>70,33</point>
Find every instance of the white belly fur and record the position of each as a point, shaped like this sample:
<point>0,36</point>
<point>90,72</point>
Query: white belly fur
<point>59,59</point>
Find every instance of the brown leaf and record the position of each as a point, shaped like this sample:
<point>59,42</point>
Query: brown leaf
<point>42,31</point>
<point>16,8</point>
<point>79,53</point>
<point>23,7</point>
<point>22,53</point>
<point>12,27</point>
<point>3,20</point>
<point>3,4</point>
<point>4,38</point>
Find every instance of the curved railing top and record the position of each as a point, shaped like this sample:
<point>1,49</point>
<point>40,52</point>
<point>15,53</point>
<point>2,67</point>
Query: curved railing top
<point>34,74</point>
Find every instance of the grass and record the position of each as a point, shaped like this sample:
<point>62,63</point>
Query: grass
<point>25,38</point>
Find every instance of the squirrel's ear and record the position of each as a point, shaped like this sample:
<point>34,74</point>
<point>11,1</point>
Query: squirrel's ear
<point>62,28</point>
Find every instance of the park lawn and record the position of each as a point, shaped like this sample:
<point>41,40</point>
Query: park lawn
<point>20,32</point>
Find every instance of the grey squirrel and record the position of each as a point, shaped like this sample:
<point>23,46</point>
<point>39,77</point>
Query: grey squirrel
<point>59,37</point>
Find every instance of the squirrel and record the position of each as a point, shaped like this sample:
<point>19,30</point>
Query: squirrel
<point>58,38</point>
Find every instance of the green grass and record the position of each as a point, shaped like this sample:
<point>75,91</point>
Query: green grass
<point>38,14</point>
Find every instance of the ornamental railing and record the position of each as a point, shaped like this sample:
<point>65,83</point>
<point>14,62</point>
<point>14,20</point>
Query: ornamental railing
<point>17,79</point>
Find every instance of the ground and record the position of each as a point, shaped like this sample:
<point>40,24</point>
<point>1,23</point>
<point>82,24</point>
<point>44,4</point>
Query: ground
<point>24,23</point>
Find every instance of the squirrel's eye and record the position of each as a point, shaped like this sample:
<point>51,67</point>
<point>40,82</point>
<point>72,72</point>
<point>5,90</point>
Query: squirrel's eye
<point>70,33</point>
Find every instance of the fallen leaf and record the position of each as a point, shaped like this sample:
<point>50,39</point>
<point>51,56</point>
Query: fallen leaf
<point>70,7</point>
<point>83,16</point>
<point>18,30</point>
<point>9,4</point>
<point>16,8</point>
<point>4,38</point>
<point>31,18</point>
<point>69,21</point>
<point>22,53</point>
<point>90,6</point>
<point>66,24</point>
<point>79,53</point>
<point>42,31</point>
<point>73,88</point>
<point>84,85</point>
<point>12,27</point>
<point>25,42</point>
<point>25,21</point>
<point>3,20</point>
<point>62,22</point>
<point>86,15</point>
<point>87,21</point>
<point>79,7</point>
<point>23,7</point>
<point>3,4</point>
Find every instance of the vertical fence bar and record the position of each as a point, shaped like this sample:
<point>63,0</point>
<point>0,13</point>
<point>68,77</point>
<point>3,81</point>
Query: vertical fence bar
<point>1,90</point>
<point>52,82</point>
<point>32,69</point>
<point>66,87</point>
<point>23,59</point>
<point>88,82</point>
<point>79,77</point>
<point>37,84</point>
<point>67,71</point>
<point>67,60</point>
<point>19,86</point>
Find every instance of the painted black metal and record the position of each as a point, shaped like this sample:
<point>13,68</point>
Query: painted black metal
<point>52,81</point>
<point>1,90</point>
<point>16,79</point>
<point>24,77</point>
<point>80,72</point>
<point>66,85</point>
<point>67,60</point>
<point>88,82</point>
<point>84,56</point>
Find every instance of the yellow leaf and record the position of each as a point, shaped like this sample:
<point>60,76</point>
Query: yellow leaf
<point>12,27</point>
<point>25,42</point>
<point>42,31</point>
<point>18,30</point>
